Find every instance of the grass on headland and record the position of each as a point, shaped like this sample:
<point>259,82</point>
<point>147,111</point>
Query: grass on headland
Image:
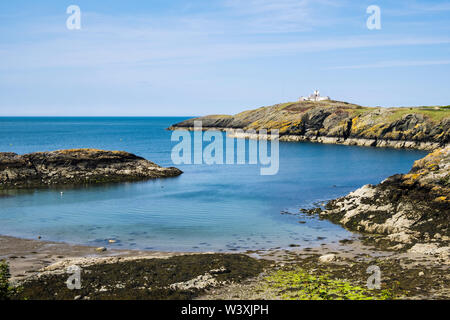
<point>436,113</point>
<point>298,284</point>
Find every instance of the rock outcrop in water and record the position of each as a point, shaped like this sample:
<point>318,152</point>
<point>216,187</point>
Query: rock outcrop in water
<point>76,166</point>
<point>410,211</point>
<point>424,128</point>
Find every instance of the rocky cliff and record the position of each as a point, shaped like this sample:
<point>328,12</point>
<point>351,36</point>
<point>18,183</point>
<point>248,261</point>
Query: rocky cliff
<point>76,166</point>
<point>410,211</point>
<point>424,128</point>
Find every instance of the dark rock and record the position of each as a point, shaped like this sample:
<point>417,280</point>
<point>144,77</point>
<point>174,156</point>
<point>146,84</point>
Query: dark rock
<point>75,167</point>
<point>404,209</point>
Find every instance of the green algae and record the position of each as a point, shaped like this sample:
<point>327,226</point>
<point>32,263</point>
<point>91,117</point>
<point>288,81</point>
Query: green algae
<point>297,284</point>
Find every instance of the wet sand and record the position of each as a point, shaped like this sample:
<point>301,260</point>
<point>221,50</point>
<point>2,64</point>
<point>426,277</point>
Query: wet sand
<point>26,257</point>
<point>414,275</point>
<point>29,256</point>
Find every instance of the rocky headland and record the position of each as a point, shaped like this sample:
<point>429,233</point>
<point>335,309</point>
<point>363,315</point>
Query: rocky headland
<point>405,211</point>
<point>76,167</point>
<point>338,122</point>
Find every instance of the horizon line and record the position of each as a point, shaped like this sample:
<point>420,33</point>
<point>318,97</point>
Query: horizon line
<point>85,116</point>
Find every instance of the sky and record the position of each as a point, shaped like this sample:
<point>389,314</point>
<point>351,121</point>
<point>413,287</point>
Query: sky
<point>198,57</point>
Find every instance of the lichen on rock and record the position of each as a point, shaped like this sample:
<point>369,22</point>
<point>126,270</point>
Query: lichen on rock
<point>339,122</point>
<point>407,209</point>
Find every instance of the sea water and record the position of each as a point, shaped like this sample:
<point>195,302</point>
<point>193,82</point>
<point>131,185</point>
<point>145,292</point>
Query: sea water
<point>207,208</point>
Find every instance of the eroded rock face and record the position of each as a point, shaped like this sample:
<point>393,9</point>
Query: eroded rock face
<point>76,166</point>
<point>337,122</point>
<point>408,209</point>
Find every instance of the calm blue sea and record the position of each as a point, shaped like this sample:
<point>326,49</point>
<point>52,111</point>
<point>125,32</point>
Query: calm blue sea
<point>209,207</point>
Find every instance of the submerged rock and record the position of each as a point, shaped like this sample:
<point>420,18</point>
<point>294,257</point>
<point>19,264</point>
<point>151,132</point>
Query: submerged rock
<point>75,167</point>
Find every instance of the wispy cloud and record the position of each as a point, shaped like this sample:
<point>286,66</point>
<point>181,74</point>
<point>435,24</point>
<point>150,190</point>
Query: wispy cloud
<point>393,64</point>
<point>274,16</point>
<point>151,50</point>
<point>195,51</point>
<point>409,7</point>
<point>107,41</point>
<point>445,6</point>
<point>147,38</point>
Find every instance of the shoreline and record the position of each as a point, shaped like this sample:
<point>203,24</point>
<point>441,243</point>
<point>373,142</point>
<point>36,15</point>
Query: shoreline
<point>408,275</point>
<point>27,256</point>
<point>361,142</point>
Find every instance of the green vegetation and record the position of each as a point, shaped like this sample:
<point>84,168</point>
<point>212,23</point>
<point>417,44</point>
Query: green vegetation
<point>219,116</point>
<point>297,284</point>
<point>285,105</point>
<point>6,290</point>
<point>434,113</point>
<point>360,111</point>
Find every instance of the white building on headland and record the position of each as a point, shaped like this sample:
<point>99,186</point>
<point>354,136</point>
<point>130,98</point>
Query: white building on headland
<point>314,97</point>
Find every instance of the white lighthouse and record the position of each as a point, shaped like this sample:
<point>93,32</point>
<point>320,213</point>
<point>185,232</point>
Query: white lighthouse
<point>314,97</point>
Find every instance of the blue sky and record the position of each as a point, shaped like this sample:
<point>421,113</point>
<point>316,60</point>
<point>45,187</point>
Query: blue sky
<point>155,57</point>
